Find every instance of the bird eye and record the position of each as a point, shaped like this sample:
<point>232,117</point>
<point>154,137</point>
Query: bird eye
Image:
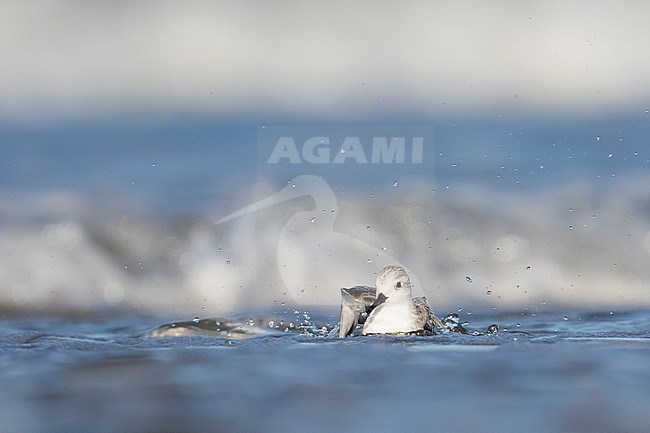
<point>399,284</point>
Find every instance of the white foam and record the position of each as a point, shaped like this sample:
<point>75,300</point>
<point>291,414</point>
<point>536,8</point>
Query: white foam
<point>520,250</point>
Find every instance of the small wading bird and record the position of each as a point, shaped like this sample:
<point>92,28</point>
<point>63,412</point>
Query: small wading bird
<point>388,309</point>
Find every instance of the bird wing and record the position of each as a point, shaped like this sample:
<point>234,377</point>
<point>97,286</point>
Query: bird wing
<point>426,319</point>
<point>356,303</point>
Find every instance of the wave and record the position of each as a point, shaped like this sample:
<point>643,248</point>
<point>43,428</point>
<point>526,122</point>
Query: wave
<point>466,246</point>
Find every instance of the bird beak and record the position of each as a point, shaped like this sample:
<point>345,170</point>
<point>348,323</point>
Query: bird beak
<point>381,298</point>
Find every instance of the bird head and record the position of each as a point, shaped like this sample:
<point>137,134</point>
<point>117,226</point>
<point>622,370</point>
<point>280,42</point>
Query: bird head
<point>394,283</point>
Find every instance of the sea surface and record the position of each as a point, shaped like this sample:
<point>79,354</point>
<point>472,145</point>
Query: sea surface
<point>549,371</point>
<point>110,232</point>
<point>189,217</point>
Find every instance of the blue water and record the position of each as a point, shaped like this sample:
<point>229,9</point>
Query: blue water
<point>136,191</point>
<point>173,169</point>
<point>534,210</point>
<point>549,371</point>
<point>108,231</point>
<point>182,166</point>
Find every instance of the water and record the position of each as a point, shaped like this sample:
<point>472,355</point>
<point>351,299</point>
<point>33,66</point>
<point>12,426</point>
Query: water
<point>127,132</point>
<point>96,216</point>
<point>105,234</point>
<point>540,373</point>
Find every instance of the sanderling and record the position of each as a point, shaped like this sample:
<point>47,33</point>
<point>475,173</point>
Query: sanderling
<point>388,309</point>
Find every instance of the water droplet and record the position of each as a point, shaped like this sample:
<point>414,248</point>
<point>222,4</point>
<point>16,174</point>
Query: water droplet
<point>565,318</point>
<point>227,262</point>
<point>598,138</point>
<point>196,319</point>
<point>369,261</point>
<point>384,248</point>
<point>570,227</point>
<point>528,268</point>
<point>220,250</point>
<point>153,164</point>
<point>468,279</point>
<point>312,220</point>
<point>610,155</point>
<point>395,183</point>
<point>271,324</point>
<point>489,292</point>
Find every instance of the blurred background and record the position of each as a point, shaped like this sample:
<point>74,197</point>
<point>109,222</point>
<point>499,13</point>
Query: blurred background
<point>127,129</point>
